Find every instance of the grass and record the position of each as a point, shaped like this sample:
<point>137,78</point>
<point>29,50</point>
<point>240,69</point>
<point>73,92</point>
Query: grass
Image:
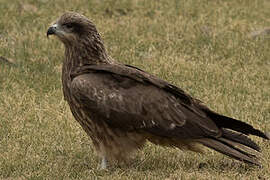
<point>201,46</point>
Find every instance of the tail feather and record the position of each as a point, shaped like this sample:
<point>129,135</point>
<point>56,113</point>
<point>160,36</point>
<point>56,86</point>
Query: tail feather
<point>240,138</point>
<point>234,145</point>
<point>233,141</point>
<point>233,124</point>
<point>229,148</point>
<point>241,148</point>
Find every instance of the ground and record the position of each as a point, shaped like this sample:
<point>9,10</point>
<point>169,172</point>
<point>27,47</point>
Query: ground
<point>204,47</point>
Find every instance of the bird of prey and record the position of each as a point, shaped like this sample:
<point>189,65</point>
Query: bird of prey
<point>121,107</point>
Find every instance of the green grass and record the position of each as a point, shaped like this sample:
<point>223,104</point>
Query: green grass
<point>201,46</point>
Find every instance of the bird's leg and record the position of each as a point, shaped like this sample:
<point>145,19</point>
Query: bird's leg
<point>104,163</point>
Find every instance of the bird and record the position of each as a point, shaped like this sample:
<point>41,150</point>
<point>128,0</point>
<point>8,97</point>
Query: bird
<point>121,107</point>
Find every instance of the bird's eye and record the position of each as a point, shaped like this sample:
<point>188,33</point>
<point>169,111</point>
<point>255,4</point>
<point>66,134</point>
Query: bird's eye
<point>69,26</point>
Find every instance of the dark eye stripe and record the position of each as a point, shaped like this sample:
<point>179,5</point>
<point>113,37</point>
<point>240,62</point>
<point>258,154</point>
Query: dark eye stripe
<point>68,25</point>
<point>74,27</point>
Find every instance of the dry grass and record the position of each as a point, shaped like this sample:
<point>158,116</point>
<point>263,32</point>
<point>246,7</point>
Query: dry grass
<point>201,46</point>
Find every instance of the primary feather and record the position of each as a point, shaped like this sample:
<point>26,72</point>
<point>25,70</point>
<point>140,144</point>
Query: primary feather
<point>120,106</point>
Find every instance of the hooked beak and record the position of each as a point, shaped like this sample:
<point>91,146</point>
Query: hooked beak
<point>52,30</point>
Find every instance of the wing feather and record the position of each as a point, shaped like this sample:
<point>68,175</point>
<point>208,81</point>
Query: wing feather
<point>130,99</point>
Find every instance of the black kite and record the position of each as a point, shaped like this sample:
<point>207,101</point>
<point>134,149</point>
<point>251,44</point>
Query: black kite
<point>120,106</point>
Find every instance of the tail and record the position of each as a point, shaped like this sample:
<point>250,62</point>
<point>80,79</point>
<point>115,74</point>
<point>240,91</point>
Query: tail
<point>234,143</point>
<point>233,124</point>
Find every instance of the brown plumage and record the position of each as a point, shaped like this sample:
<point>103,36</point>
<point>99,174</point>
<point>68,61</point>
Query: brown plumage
<point>120,106</point>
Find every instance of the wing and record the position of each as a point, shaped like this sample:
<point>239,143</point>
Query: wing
<point>130,99</point>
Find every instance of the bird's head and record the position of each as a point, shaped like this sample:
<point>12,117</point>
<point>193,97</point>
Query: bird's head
<point>81,38</point>
<point>71,27</point>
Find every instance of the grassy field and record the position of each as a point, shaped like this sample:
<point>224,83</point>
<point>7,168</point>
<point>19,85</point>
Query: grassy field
<point>203,46</point>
